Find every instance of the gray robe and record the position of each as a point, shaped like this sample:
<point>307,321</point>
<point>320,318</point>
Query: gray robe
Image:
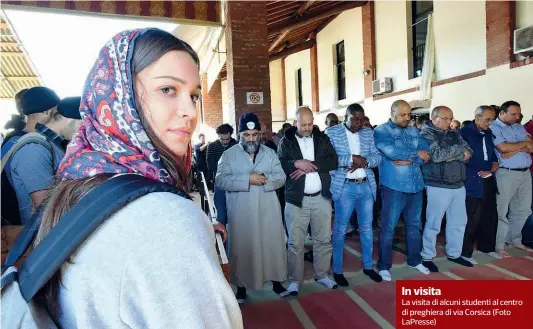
<point>257,252</point>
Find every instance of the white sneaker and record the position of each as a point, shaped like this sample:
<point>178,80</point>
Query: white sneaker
<point>385,275</point>
<point>293,288</point>
<point>470,259</point>
<point>495,255</point>
<point>421,268</point>
<point>330,284</point>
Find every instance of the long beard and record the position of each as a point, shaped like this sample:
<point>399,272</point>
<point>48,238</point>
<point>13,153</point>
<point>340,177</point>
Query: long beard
<point>250,147</point>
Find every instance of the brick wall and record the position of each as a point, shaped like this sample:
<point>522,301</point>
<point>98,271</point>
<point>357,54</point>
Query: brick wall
<point>247,59</point>
<point>500,23</point>
<point>369,46</point>
<point>211,103</point>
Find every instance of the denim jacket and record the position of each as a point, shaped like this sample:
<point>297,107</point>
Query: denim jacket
<point>397,143</point>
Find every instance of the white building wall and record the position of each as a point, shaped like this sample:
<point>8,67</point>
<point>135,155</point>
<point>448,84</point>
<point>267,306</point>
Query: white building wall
<point>524,13</point>
<point>301,60</point>
<point>276,90</point>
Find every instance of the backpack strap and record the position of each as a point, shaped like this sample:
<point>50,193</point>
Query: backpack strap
<point>23,241</point>
<point>78,223</point>
<point>29,138</point>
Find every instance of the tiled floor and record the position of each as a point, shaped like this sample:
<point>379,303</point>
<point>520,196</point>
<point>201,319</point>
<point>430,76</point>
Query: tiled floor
<point>366,304</point>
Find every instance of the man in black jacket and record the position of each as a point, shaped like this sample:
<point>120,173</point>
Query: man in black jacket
<point>307,157</point>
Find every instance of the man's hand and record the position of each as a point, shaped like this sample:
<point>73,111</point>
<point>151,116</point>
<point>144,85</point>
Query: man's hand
<point>468,155</point>
<point>358,162</point>
<point>484,174</point>
<point>257,179</point>
<point>305,165</point>
<point>424,155</point>
<point>218,227</point>
<point>495,167</point>
<point>295,175</point>
<point>509,155</point>
<point>400,163</point>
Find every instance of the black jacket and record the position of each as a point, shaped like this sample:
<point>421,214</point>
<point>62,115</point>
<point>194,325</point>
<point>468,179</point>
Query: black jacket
<point>214,153</point>
<point>325,159</point>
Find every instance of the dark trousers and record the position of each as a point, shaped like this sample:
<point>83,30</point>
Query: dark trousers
<point>482,221</point>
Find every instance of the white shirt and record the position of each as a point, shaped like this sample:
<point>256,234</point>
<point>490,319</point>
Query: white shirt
<point>485,154</point>
<point>312,180</point>
<point>355,148</point>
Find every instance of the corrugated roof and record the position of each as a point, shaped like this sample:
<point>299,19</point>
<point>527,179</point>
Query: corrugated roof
<point>17,70</point>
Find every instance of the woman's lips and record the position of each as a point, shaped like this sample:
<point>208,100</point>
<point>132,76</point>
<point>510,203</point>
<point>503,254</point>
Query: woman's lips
<point>180,133</point>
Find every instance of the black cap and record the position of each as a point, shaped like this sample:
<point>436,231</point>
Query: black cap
<point>249,121</point>
<point>38,100</point>
<point>69,107</point>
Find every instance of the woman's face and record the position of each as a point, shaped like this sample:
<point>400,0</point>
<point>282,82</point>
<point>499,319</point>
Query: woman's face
<point>168,91</point>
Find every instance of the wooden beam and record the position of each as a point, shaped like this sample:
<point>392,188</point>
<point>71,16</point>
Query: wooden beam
<point>304,7</point>
<point>278,40</point>
<point>9,44</point>
<point>292,50</point>
<point>314,16</point>
<point>284,33</point>
<point>4,25</point>
<point>19,78</point>
<point>12,54</point>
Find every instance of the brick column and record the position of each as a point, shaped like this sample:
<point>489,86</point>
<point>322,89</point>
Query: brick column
<point>247,60</point>
<point>500,24</point>
<point>369,46</point>
<point>315,93</point>
<point>211,103</point>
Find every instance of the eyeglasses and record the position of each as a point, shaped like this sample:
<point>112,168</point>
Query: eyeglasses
<point>446,119</point>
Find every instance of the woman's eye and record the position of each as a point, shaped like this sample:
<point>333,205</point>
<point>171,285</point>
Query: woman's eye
<point>168,90</point>
<point>195,98</point>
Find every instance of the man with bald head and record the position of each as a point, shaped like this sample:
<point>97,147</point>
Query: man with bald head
<point>403,153</point>
<point>444,175</point>
<point>307,157</point>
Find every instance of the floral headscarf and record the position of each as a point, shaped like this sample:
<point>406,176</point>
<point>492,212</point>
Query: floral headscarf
<point>112,138</point>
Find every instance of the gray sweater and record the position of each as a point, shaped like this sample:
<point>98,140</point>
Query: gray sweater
<point>151,265</point>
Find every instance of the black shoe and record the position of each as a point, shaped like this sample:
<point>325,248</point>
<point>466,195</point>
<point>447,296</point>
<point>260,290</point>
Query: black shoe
<point>461,261</point>
<point>430,266</point>
<point>241,295</point>
<point>279,289</point>
<point>308,256</point>
<point>373,275</point>
<point>340,279</point>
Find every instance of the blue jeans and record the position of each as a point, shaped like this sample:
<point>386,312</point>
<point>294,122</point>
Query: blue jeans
<point>220,203</point>
<point>451,202</point>
<point>527,230</point>
<point>396,203</point>
<point>358,197</point>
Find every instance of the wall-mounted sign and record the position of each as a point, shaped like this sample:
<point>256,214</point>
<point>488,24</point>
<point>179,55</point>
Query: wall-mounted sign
<point>254,98</point>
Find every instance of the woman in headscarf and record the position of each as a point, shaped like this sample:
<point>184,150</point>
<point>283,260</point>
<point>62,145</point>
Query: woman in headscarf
<point>152,264</point>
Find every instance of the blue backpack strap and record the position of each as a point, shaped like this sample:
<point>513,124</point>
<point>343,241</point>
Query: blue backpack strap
<point>78,223</point>
<point>23,241</point>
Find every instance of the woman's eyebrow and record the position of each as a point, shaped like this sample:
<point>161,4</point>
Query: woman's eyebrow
<point>179,80</point>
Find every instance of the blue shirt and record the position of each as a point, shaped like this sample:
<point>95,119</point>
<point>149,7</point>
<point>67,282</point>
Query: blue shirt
<point>514,133</point>
<point>397,143</point>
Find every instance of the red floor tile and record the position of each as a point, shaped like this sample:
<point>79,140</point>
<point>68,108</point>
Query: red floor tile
<point>480,272</point>
<point>270,314</point>
<point>397,257</point>
<point>334,309</point>
<point>350,262</point>
<point>431,276</point>
<point>518,265</point>
<point>381,297</point>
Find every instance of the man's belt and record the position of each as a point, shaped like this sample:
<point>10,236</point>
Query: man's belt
<point>516,169</point>
<point>313,194</point>
<point>356,181</point>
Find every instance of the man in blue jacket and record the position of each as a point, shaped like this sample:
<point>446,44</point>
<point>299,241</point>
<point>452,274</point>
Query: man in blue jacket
<point>403,152</point>
<point>480,185</point>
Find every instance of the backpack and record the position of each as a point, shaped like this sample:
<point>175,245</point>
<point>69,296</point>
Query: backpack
<point>10,207</point>
<point>20,285</point>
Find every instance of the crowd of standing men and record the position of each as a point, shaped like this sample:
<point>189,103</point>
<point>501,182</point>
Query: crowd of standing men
<point>476,178</point>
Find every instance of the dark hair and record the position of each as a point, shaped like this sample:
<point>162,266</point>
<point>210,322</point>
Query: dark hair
<point>465,123</point>
<point>505,106</point>
<point>149,47</point>
<point>367,118</point>
<point>353,108</point>
<point>224,129</point>
<point>332,116</point>
<point>18,96</point>
<point>422,119</point>
<point>286,126</point>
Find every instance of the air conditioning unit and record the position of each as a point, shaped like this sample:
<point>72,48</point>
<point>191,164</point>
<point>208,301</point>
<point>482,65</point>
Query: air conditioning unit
<point>523,41</point>
<point>382,86</point>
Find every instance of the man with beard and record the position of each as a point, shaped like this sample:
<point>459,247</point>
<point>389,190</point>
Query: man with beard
<point>403,153</point>
<point>250,173</point>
